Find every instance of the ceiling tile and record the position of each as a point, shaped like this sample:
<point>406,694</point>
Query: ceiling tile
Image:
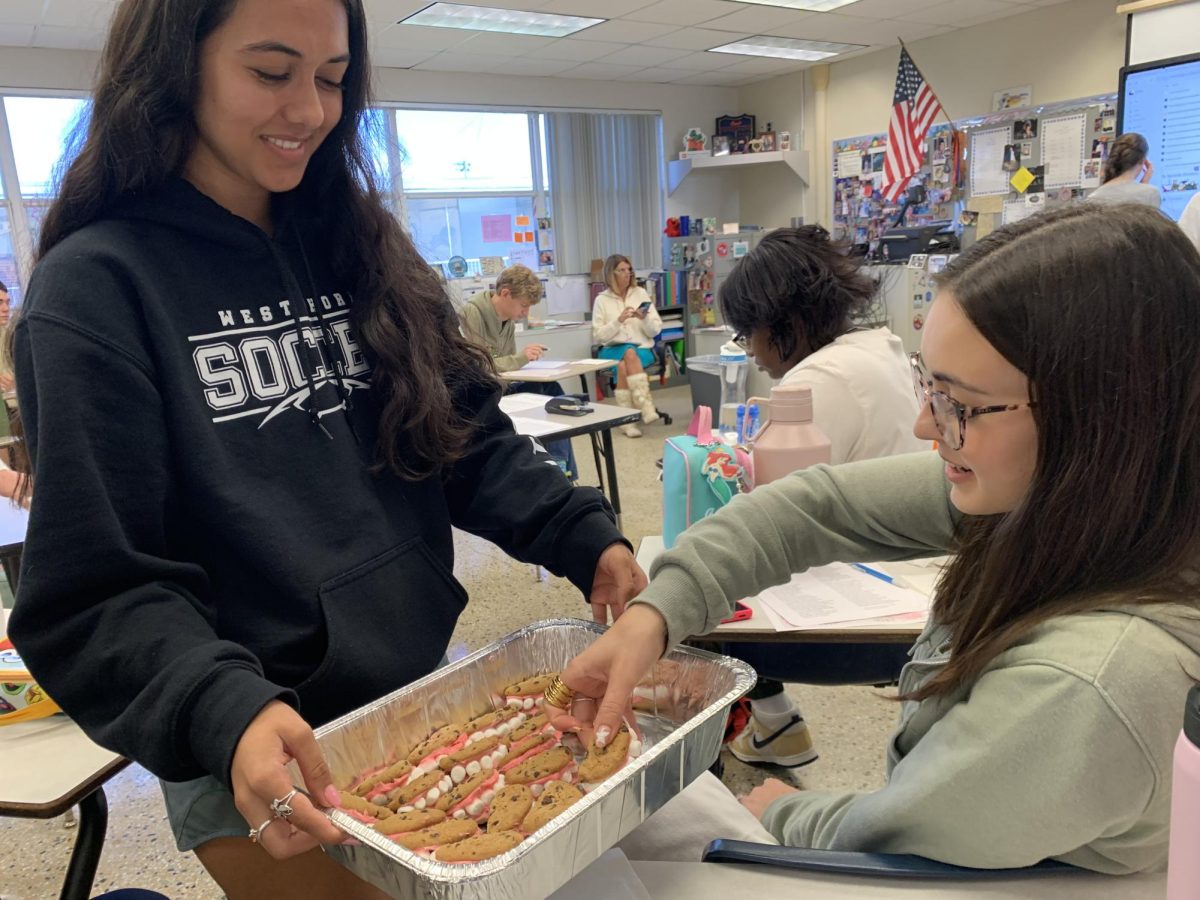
<point>609,9</point>
<point>392,11</point>
<point>998,13</point>
<point>533,65</point>
<point>832,27</point>
<point>695,39</point>
<point>639,55</point>
<point>455,61</point>
<point>957,13</point>
<point>68,38</point>
<point>655,76</point>
<point>886,9</point>
<point>397,58</point>
<point>79,14</point>
<point>682,12</point>
<point>757,19</point>
<point>762,65</point>
<point>623,30</point>
<point>422,37</point>
<point>704,62</point>
<point>601,71</point>
<point>22,12</point>
<point>715,79</point>
<point>578,51</point>
<point>507,44</point>
<point>16,35</point>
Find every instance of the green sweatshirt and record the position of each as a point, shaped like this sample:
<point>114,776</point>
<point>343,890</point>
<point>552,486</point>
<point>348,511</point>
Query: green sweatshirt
<point>1062,747</point>
<point>499,338</point>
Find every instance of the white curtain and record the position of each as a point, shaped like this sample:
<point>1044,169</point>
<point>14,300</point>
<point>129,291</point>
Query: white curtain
<point>605,188</point>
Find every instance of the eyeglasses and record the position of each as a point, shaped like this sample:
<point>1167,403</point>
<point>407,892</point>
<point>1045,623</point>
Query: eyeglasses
<point>949,415</point>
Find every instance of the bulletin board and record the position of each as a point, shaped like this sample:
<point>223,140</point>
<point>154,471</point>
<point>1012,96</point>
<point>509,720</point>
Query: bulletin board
<point>1014,163</point>
<point>860,212</point>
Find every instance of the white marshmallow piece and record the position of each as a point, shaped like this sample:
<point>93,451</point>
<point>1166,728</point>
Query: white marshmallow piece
<point>474,768</point>
<point>528,703</point>
<point>491,732</point>
<point>405,809</point>
<point>420,804</point>
<point>487,796</point>
<point>460,814</point>
<point>417,772</point>
<point>487,762</point>
<point>475,807</point>
<point>458,774</point>
<point>477,736</point>
<point>433,794</point>
<point>515,702</point>
<point>566,777</point>
<point>536,789</point>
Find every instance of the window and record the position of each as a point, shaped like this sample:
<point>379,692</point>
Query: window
<point>472,185</point>
<point>456,152</point>
<point>37,136</point>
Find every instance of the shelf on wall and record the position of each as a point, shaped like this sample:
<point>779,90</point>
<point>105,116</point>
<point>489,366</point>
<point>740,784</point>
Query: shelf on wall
<point>679,169</point>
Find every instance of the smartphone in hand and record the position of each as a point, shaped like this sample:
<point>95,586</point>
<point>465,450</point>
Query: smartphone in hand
<point>644,308</point>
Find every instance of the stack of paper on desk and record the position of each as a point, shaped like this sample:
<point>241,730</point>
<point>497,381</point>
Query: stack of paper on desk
<point>547,367</point>
<point>839,595</point>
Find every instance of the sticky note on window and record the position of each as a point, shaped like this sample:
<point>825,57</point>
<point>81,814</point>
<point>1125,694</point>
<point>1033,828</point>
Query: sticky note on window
<point>523,221</point>
<point>518,237</point>
<point>528,234</point>
<point>1021,179</point>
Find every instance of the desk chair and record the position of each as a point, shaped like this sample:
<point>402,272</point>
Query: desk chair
<point>606,379</point>
<point>841,862</point>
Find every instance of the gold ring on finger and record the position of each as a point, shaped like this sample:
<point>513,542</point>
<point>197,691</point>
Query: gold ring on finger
<point>558,694</point>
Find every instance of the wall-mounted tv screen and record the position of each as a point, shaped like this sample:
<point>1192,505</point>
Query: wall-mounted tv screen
<point>1161,101</point>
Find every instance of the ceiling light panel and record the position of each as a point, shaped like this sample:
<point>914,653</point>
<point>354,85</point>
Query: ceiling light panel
<point>509,21</point>
<point>807,5</point>
<point>785,48</point>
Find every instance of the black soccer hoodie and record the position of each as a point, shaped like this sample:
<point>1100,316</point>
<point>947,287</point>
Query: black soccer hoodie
<point>206,533</point>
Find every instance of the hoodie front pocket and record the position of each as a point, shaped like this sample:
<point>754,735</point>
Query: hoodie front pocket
<point>388,622</point>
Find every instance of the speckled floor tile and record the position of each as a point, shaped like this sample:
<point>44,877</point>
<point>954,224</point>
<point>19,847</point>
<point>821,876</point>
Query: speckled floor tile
<point>850,725</point>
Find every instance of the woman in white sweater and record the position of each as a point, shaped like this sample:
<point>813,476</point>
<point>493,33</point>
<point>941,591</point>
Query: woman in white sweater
<point>625,323</point>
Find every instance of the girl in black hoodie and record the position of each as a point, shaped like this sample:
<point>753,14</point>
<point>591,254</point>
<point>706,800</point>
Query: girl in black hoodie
<point>253,421</point>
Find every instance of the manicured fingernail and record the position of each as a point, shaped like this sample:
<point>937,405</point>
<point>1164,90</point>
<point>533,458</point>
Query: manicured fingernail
<point>332,797</point>
<point>602,736</point>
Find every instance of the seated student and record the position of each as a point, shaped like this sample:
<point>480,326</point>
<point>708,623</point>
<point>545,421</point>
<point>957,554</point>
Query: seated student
<point>626,323</point>
<point>1044,698</point>
<point>489,317</point>
<point>1127,174</point>
<point>792,301</point>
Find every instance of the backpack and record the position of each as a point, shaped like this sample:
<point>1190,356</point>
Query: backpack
<point>700,475</point>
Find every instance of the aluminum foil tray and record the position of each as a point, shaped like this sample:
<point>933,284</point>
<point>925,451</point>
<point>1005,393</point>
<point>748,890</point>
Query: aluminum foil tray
<point>683,733</point>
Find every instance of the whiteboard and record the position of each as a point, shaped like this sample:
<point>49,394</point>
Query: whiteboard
<point>1164,33</point>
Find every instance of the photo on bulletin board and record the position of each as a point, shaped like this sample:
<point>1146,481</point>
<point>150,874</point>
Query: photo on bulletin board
<point>1100,149</point>
<point>1025,129</point>
<point>543,223</point>
<point>546,258</point>
<point>1012,157</point>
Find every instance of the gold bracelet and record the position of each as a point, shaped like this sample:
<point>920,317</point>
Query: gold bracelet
<point>558,694</point>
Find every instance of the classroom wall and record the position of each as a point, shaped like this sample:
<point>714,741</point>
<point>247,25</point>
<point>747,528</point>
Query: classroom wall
<point>1068,50</point>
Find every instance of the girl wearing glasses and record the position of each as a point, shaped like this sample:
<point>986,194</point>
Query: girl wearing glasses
<point>1042,702</point>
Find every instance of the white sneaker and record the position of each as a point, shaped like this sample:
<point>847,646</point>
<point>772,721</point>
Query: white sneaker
<point>631,431</point>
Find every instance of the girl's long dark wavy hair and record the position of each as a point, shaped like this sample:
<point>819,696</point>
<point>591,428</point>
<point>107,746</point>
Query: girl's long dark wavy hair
<point>1099,306</point>
<point>141,131</point>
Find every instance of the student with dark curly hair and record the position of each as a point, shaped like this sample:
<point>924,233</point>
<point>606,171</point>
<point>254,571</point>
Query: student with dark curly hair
<point>793,301</point>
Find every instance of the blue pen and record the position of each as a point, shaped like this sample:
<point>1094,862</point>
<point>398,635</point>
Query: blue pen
<point>873,572</point>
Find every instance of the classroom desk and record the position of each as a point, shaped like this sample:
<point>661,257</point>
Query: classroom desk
<point>50,765</point>
<point>14,520</point>
<point>582,368</point>
<point>757,629</point>
<point>598,425</point>
<point>701,881</point>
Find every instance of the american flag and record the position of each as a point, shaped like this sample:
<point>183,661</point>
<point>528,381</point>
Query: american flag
<point>914,107</point>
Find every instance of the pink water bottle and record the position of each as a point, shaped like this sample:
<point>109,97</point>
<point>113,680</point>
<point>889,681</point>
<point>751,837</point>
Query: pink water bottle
<point>1183,865</point>
<point>789,441</point>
